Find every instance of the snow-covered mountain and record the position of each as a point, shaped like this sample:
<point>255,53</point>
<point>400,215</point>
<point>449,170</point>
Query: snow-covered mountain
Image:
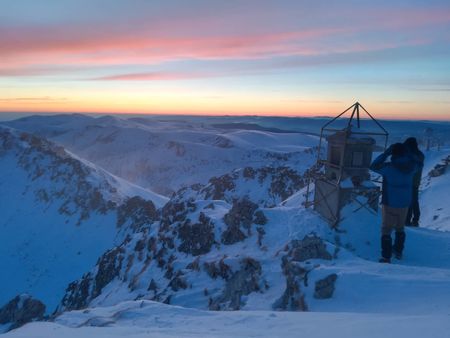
<point>167,155</point>
<point>59,213</point>
<point>240,238</point>
<point>235,254</point>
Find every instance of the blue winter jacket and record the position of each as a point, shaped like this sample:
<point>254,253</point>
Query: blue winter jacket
<point>397,179</point>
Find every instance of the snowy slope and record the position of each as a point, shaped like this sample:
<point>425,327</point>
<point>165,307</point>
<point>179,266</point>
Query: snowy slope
<point>208,241</point>
<point>141,319</point>
<point>434,196</point>
<point>242,240</point>
<point>167,155</point>
<point>58,215</point>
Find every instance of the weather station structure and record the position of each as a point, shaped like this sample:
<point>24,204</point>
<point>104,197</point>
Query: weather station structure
<point>345,150</point>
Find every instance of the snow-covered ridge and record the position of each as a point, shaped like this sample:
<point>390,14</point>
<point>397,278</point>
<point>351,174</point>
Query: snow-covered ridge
<point>168,155</point>
<point>59,214</point>
<point>239,240</point>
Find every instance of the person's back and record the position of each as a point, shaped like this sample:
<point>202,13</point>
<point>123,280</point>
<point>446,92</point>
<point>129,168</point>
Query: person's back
<point>396,196</point>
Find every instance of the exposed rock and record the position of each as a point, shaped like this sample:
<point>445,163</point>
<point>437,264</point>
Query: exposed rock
<point>214,269</point>
<point>239,218</point>
<point>109,265</point>
<point>77,294</point>
<point>232,235</point>
<point>20,310</point>
<point>241,283</point>
<point>260,218</point>
<point>194,265</point>
<point>292,299</point>
<point>198,238</point>
<point>178,282</point>
<point>152,286</point>
<point>325,287</point>
<point>80,293</point>
<point>137,212</point>
<point>217,187</point>
<point>309,248</point>
<point>441,168</point>
<point>285,182</point>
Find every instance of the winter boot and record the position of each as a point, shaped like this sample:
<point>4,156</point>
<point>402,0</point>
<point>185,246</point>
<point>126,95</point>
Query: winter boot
<point>386,249</point>
<point>399,244</point>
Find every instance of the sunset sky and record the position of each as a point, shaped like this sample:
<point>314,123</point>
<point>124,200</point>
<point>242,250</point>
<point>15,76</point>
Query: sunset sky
<point>258,57</point>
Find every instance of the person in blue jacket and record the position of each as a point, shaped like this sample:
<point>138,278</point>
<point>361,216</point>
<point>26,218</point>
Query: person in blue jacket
<point>413,216</point>
<point>396,198</point>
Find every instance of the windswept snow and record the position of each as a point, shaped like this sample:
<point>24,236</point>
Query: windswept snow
<point>238,227</point>
<point>57,213</point>
<point>141,319</point>
<point>166,155</point>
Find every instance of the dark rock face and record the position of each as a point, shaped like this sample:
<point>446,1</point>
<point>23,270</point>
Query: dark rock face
<point>80,293</point>
<point>241,283</point>
<point>239,221</point>
<point>198,238</point>
<point>324,288</point>
<point>109,266</point>
<point>285,182</point>
<point>218,186</point>
<point>77,294</point>
<point>20,310</point>
<point>138,212</point>
<point>441,168</point>
<point>293,298</point>
<point>220,269</point>
<point>310,247</point>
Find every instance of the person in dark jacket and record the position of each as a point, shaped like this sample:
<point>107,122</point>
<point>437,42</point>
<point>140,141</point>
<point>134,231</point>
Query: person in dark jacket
<point>396,197</point>
<point>413,216</point>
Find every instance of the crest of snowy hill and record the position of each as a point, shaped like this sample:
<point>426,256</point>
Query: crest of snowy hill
<point>435,192</point>
<point>217,246</point>
<point>266,186</point>
<point>213,250</point>
<point>59,214</point>
<point>166,155</point>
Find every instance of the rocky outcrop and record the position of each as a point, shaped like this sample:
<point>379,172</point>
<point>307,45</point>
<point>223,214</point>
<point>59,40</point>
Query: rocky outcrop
<point>20,310</point>
<point>310,247</point>
<point>81,292</point>
<point>241,283</point>
<point>137,212</point>
<point>324,288</point>
<point>240,219</point>
<point>441,168</point>
<point>265,186</point>
<point>296,272</point>
<point>218,186</point>
<point>198,238</point>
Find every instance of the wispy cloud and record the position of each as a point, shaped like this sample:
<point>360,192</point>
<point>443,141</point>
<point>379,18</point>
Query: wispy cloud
<point>106,43</point>
<point>45,99</point>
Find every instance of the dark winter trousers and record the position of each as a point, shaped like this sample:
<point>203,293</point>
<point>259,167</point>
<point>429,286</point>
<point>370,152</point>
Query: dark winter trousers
<point>393,219</point>
<point>413,215</point>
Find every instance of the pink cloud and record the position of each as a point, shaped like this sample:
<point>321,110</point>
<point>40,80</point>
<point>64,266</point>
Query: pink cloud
<point>31,50</point>
<point>65,47</point>
<point>152,76</point>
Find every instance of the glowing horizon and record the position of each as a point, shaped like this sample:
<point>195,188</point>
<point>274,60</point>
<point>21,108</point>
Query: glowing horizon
<point>294,58</point>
